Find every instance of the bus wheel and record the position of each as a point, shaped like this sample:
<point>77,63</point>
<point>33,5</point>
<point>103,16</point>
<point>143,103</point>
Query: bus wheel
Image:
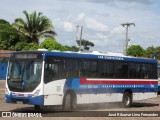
<point>69,102</point>
<point>37,107</point>
<point>127,99</point>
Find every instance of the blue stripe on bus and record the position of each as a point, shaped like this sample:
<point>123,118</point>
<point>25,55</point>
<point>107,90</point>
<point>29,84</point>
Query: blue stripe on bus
<point>118,90</point>
<point>103,57</point>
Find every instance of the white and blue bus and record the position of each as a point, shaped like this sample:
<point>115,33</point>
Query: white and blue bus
<point>43,78</point>
<point>158,70</point>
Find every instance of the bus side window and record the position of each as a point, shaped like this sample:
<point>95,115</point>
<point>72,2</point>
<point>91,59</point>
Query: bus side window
<point>51,71</point>
<point>68,68</point>
<point>151,71</point>
<point>47,73</point>
<point>125,70</point>
<point>118,69</point>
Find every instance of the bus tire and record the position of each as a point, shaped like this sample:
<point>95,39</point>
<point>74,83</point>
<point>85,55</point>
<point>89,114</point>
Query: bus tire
<point>69,102</point>
<point>127,100</point>
<point>37,107</point>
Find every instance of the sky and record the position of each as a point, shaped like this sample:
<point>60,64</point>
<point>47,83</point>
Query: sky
<point>101,20</point>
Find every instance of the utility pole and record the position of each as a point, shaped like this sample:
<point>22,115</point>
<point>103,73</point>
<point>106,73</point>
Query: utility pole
<point>77,32</point>
<point>80,38</point>
<point>80,35</point>
<point>126,41</point>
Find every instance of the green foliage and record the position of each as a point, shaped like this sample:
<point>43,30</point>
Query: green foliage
<point>50,44</point>
<point>85,43</point>
<point>65,48</point>
<point>153,52</point>
<point>34,27</point>
<point>31,46</point>
<point>9,36</point>
<point>20,45</point>
<point>136,51</point>
<point>72,48</point>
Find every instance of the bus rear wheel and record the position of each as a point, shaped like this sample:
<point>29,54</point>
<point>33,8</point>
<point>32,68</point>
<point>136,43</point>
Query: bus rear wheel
<point>127,100</point>
<point>69,102</point>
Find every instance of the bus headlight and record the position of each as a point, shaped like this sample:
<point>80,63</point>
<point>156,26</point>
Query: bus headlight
<point>6,91</point>
<point>36,93</point>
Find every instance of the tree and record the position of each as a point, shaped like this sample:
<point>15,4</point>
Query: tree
<point>9,36</point>
<point>50,44</point>
<point>158,52</point>
<point>70,48</point>
<point>31,46</point>
<point>20,45</point>
<point>34,27</point>
<point>151,52</point>
<point>136,51</point>
<point>85,43</point>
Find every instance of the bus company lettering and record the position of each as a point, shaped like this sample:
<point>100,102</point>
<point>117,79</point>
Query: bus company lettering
<point>110,57</point>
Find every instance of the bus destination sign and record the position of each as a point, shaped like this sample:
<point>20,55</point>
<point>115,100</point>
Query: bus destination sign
<point>26,56</point>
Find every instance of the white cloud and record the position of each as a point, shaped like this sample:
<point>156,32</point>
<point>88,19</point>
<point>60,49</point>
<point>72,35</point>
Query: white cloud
<point>125,4</point>
<point>95,25</point>
<point>68,26</point>
<point>101,36</point>
<point>117,30</point>
<point>81,16</point>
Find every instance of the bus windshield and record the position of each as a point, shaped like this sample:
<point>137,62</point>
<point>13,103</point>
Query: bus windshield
<point>24,75</point>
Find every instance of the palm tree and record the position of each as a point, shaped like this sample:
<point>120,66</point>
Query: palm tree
<point>34,27</point>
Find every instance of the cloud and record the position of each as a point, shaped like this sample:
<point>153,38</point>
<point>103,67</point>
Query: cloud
<point>147,2</point>
<point>81,16</point>
<point>95,25</point>
<point>125,4</point>
<point>117,30</point>
<point>68,26</point>
<point>101,36</point>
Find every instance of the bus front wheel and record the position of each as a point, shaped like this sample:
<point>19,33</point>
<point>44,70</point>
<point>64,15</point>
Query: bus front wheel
<point>37,107</point>
<point>69,102</point>
<point>127,99</point>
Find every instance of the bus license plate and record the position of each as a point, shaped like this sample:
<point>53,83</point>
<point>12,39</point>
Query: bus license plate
<point>19,102</point>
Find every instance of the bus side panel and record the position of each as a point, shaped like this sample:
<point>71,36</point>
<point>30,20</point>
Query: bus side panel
<point>91,92</point>
<point>53,92</point>
<point>142,96</point>
<point>99,98</point>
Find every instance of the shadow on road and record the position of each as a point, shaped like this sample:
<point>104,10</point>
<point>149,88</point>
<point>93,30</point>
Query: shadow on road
<point>144,104</point>
<point>87,107</point>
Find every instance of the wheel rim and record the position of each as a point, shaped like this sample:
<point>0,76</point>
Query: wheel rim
<point>127,100</point>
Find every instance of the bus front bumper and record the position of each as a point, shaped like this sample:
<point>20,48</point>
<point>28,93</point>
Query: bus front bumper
<point>37,100</point>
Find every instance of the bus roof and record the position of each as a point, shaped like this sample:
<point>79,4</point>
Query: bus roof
<point>93,55</point>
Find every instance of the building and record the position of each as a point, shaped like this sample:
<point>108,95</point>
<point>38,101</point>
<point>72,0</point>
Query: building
<point>4,57</point>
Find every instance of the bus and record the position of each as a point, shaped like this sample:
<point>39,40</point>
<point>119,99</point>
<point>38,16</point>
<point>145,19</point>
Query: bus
<point>158,71</point>
<point>67,79</point>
